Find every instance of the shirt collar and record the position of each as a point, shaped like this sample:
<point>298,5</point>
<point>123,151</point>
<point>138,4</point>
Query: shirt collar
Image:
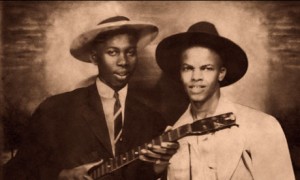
<point>107,92</point>
<point>224,106</point>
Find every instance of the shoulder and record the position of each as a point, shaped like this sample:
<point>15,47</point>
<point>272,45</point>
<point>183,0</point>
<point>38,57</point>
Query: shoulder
<point>253,117</point>
<point>137,103</point>
<point>65,99</point>
<point>258,126</point>
<point>144,111</point>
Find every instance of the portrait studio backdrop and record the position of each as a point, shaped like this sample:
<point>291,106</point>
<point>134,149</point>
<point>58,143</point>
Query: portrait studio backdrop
<point>35,60</point>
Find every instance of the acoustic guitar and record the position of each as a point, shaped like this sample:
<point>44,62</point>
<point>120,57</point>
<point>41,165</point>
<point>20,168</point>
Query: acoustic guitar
<point>198,127</point>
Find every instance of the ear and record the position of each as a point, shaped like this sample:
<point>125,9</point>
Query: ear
<point>222,73</point>
<point>93,57</point>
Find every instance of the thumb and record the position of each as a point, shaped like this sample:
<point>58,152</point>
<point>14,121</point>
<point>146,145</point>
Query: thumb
<point>90,165</point>
<point>168,128</point>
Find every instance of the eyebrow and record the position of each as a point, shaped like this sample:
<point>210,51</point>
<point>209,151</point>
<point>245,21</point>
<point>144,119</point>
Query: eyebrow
<point>134,47</point>
<point>185,64</point>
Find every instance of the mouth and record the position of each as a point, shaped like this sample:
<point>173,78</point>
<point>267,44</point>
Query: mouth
<point>197,87</point>
<point>122,75</point>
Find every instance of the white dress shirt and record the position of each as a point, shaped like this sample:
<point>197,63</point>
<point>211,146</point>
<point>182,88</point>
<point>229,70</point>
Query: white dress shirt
<point>256,149</point>
<point>108,101</point>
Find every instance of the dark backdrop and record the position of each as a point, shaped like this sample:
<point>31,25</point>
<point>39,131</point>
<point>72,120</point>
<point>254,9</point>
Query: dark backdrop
<point>35,61</point>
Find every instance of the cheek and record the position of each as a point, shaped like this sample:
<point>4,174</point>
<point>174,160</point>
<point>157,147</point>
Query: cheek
<point>132,61</point>
<point>185,77</point>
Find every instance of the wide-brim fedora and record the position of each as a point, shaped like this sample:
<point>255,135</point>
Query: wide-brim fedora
<point>81,46</point>
<point>168,51</point>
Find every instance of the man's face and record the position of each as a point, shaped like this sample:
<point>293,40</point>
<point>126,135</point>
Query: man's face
<point>201,69</point>
<point>116,59</point>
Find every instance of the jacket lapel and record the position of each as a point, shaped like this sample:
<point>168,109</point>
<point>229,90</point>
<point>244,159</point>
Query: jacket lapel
<point>229,152</point>
<point>229,144</point>
<point>131,123</point>
<point>94,116</point>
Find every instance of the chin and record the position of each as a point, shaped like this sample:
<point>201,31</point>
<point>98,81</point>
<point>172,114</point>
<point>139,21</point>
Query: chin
<point>197,98</point>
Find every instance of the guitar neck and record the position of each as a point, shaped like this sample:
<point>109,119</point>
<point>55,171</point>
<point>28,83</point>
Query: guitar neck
<point>197,128</point>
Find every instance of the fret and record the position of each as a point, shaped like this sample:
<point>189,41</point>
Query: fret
<point>145,146</point>
<point>136,152</point>
<point>174,135</point>
<point>165,137</point>
<point>153,142</point>
<point>177,132</point>
<point>111,162</point>
<point>132,153</point>
<point>118,161</point>
<point>93,174</point>
<point>161,139</point>
<point>127,156</point>
<point>97,172</point>
<point>108,166</point>
<point>124,159</point>
<point>169,136</point>
<point>102,169</point>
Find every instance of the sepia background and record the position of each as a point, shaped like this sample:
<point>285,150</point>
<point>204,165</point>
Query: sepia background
<point>35,60</point>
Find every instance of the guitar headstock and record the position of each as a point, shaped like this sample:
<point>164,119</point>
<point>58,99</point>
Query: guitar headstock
<point>212,124</point>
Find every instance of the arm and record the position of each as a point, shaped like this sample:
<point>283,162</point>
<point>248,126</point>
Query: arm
<point>78,173</point>
<point>270,154</point>
<point>33,153</point>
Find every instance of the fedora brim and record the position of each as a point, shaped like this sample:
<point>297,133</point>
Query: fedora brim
<point>168,53</point>
<point>81,46</point>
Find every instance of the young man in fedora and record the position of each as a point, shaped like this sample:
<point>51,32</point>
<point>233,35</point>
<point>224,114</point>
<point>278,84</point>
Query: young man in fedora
<point>203,62</point>
<point>71,132</point>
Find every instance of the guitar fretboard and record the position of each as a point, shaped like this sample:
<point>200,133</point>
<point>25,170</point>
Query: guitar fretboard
<point>199,127</point>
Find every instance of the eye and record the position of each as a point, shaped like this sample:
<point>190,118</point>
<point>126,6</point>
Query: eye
<point>131,52</point>
<point>207,68</point>
<point>112,52</point>
<point>186,68</point>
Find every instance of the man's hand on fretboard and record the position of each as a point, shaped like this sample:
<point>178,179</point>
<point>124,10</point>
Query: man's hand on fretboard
<point>159,154</point>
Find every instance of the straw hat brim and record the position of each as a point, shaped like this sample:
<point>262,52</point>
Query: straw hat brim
<point>81,45</point>
<point>169,51</point>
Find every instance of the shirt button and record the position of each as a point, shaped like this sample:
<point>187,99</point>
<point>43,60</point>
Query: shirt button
<point>121,139</point>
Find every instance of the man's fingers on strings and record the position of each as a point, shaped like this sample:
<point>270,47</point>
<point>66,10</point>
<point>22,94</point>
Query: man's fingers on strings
<point>153,160</point>
<point>163,151</point>
<point>170,145</point>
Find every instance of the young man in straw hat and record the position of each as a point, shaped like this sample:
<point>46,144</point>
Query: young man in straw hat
<point>203,62</point>
<point>71,132</point>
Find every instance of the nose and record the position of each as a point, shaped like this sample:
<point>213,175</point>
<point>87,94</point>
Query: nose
<point>197,75</point>
<point>122,60</point>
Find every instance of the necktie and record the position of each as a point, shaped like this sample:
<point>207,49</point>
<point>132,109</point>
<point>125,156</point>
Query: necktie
<point>117,117</point>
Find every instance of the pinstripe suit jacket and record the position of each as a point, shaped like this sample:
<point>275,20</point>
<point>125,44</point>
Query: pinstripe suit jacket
<point>70,130</point>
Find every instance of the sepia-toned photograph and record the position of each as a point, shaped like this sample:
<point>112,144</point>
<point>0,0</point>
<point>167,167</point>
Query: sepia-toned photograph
<point>150,90</point>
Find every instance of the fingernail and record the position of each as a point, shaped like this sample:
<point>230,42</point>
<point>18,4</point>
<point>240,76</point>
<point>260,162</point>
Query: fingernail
<point>144,151</point>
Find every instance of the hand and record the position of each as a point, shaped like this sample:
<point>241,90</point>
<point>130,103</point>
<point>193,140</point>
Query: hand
<point>78,173</point>
<point>159,155</point>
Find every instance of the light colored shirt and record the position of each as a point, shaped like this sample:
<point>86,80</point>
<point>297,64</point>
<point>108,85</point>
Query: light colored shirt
<point>108,101</point>
<point>256,149</point>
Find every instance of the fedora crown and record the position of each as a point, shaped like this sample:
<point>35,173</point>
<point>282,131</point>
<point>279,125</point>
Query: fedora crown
<point>204,27</point>
<point>114,19</point>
